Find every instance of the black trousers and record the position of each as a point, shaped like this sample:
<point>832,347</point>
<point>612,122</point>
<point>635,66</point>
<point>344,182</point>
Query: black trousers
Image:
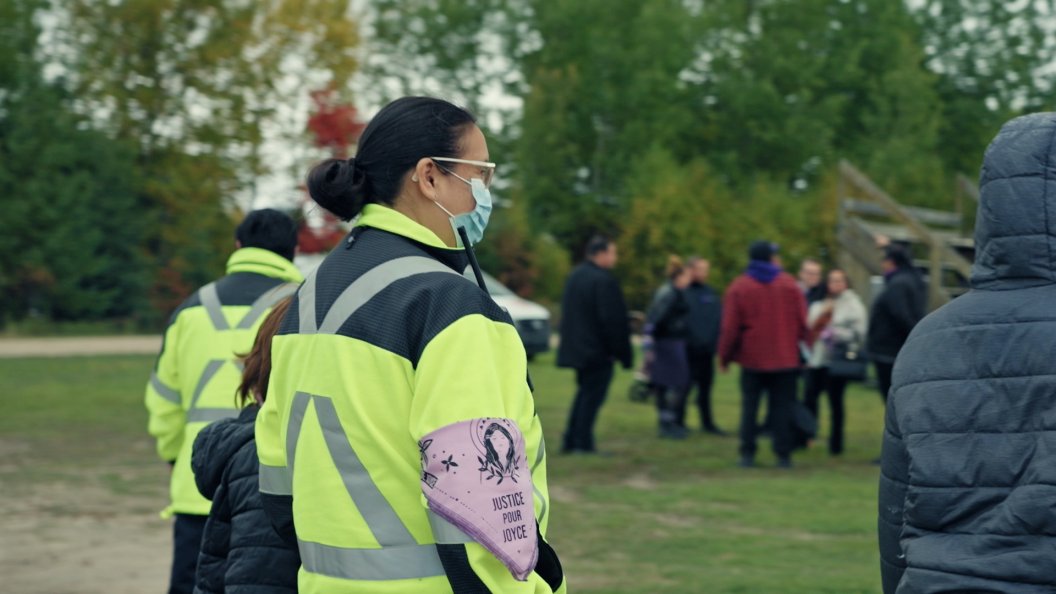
<point>818,381</point>
<point>186,544</point>
<point>593,386</point>
<point>702,371</point>
<point>883,377</point>
<point>780,388</point>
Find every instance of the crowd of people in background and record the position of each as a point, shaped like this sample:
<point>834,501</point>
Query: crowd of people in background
<point>966,488</point>
<point>796,340</point>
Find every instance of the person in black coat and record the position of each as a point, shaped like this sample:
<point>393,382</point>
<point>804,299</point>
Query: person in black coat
<point>594,333</point>
<point>968,483</point>
<point>241,552</point>
<point>705,319</point>
<point>896,310</point>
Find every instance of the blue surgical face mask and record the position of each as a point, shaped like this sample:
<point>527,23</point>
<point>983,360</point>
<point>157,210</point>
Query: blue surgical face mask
<point>476,220</point>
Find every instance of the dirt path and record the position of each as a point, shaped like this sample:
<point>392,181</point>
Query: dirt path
<point>87,345</point>
<point>91,529</point>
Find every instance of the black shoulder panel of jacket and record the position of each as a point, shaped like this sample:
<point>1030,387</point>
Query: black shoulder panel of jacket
<point>403,317</point>
<point>240,288</point>
<point>243,288</point>
<point>407,315</point>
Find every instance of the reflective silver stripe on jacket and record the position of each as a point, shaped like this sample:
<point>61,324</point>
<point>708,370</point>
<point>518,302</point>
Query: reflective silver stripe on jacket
<point>275,480</point>
<point>389,563</point>
<point>264,303</point>
<point>214,308</point>
<point>535,487</point>
<point>400,557</point>
<point>211,302</point>
<point>361,291</point>
<point>164,391</point>
<point>196,414</point>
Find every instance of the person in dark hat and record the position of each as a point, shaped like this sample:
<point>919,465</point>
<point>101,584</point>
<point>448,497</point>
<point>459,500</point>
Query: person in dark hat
<point>763,322</point>
<point>896,310</point>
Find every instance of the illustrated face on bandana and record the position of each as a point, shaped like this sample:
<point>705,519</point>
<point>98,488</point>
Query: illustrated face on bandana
<point>475,476</point>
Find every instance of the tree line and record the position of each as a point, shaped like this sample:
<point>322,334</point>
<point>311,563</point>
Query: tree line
<point>685,126</point>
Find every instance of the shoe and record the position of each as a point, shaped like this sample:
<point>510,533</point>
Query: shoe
<point>714,431</point>
<point>673,432</point>
<point>784,462</point>
<point>746,462</point>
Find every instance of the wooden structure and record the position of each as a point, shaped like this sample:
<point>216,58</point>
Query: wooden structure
<point>938,240</point>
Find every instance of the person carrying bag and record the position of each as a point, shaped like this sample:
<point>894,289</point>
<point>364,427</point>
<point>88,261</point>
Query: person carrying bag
<point>837,325</point>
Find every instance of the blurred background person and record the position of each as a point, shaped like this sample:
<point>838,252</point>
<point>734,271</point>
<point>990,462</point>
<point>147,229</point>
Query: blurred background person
<point>896,310</point>
<point>241,551</point>
<point>195,375</point>
<point>763,322</point>
<point>809,279</point>
<point>705,320</point>
<point>667,322</point>
<point>595,332</point>
<point>837,323</point>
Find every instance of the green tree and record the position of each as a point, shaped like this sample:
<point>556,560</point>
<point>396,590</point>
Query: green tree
<point>604,85</point>
<point>69,233</point>
<point>791,86</point>
<point>192,84</point>
<point>994,60</point>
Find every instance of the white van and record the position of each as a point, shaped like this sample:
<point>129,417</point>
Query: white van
<point>531,319</point>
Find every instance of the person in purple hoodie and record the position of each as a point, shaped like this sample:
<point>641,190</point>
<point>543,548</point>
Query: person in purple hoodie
<point>764,319</point>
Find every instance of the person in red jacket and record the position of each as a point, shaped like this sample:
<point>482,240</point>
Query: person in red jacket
<point>763,323</point>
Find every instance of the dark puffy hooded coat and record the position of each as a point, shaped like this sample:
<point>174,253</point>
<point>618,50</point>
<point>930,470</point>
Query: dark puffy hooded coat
<point>241,553</point>
<point>968,476</point>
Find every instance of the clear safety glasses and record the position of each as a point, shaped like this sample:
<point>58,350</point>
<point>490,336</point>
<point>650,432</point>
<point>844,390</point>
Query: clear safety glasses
<point>486,168</point>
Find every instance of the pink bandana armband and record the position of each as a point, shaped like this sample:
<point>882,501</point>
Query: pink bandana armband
<point>475,476</point>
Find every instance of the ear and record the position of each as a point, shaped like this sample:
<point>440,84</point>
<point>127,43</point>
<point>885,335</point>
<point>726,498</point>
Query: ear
<point>424,177</point>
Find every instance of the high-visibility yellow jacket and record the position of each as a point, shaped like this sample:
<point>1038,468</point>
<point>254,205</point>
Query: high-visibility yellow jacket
<point>197,372</point>
<point>386,343</point>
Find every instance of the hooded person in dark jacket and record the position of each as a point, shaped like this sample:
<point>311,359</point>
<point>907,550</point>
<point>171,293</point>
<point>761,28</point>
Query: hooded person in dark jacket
<point>896,310</point>
<point>241,552</point>
<point>594,332</point>
<point>968,480</point>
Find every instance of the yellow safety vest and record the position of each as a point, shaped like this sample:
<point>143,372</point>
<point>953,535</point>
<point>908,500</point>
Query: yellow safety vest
<point>385,343</point>
<point>197,371</point>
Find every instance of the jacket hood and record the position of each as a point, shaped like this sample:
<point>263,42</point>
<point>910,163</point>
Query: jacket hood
<point>261,261</point>
<point>1015,229</point>
<point>216,444</point>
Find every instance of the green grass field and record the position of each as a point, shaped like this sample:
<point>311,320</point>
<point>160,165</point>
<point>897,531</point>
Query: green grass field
<point>656,516</point>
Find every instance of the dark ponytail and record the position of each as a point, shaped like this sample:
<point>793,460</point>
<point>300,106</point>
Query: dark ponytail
<point>401,134</point>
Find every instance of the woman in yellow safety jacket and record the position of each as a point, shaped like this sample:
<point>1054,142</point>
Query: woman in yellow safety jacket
<point>399,435</point>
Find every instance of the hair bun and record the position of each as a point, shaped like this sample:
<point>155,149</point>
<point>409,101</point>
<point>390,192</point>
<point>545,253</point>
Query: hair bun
<point>339,186</point>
